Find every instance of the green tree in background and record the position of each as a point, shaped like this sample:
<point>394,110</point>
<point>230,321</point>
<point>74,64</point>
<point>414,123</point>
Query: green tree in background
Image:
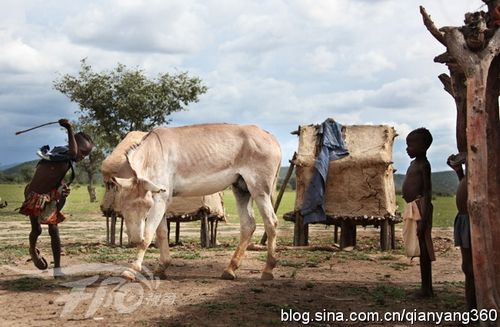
<point>113,103</point>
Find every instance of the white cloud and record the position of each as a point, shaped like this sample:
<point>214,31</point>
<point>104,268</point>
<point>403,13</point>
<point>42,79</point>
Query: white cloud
<point>274,63</point>
<point>137,26</point>
<point>321,59</point>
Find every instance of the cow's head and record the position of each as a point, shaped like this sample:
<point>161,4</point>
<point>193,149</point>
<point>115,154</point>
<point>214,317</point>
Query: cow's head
<point>136,201</point>
<point>110,203</point>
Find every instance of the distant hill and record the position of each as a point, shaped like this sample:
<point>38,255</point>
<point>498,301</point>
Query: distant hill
<point>22,173</point>
<point>443,182</point>
<point>17,168</point>
<point>5,167</point>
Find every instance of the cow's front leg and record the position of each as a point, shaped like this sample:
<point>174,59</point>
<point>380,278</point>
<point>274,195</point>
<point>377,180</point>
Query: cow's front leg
<point>153,220</point>
<point>162,237</point>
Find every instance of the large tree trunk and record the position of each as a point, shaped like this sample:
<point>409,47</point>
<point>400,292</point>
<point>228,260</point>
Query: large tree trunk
<point>473,57</point>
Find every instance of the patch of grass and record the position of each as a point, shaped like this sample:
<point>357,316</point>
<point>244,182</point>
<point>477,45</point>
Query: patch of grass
<point>354,255</point>
<point>383,292</point>
<point>400,266</point>
<point>106,254</point>
<point>12,252</point>
<point>24,284</point>
<point>444,213</point>
<point>286,205</point>
<point>387,257</point>
<point>291,263</point>
<point>187,255</point>
<point>452,296</point>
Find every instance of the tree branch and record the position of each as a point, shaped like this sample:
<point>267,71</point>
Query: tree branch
<point>429,24</point>
<point>446,80</point>
<point>493,47</point>
<point>457,48</point>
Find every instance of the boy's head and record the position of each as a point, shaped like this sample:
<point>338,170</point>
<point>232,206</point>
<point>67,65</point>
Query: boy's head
<point>418,142</point>
<point>85,145</point>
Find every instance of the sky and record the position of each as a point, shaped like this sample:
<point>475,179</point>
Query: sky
<point>274,63</point>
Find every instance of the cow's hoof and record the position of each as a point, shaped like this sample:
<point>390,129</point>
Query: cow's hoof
<point>135,266</point>
<point>160,271</point>
<point>266,276</point>
<point>129,275</point>
<point>228,275</point>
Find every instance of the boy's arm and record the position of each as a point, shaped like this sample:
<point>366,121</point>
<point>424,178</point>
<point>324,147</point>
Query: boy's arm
<point>456,167</point>
<point>73,147</point>
<point>425,201</point>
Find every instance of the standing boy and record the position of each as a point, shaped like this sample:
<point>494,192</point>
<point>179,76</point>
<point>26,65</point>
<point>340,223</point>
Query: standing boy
<point>461,230</point>
<point>46,194</point>
<point>417,192</point>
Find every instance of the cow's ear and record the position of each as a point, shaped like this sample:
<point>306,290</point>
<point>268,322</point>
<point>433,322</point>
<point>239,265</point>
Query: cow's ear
<point>124,182</point>
<point>150,186</point>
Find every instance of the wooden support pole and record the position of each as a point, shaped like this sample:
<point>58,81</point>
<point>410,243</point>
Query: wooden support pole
<point>214,237</point>
<point>168,230</point>
<point>204,232</point>
<point>384,235</point>
<point>393,235</point>
<point>347,233</point>
<point>108,241</point>
<point>177,232</point>
<point>113,229</point>
<point>300,237</point>
<point>121,232</point>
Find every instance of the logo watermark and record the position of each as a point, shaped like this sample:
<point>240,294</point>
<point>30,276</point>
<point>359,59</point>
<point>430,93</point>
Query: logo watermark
<point>100,290</point>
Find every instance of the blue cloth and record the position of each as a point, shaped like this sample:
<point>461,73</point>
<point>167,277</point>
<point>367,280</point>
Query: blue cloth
<point>333,148</point>
<point>58,153</point>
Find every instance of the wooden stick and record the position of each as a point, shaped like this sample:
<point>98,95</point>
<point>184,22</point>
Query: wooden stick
<point>32,128</point>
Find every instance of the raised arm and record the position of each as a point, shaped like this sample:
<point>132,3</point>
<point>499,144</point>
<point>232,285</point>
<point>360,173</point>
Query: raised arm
<point>457,167</point>
<point>73,147</point>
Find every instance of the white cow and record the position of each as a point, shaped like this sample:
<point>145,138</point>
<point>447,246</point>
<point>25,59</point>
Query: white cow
<point>200,160</point>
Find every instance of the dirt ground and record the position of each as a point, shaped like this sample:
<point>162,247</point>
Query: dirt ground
<point>307,284</point>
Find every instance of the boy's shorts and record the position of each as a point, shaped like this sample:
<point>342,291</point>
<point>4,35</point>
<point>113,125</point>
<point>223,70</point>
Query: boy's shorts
<point>461,231</point>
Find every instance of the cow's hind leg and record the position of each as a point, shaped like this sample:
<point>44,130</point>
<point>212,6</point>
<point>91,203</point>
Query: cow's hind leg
<point>247,227</point>
<point>266,210</point>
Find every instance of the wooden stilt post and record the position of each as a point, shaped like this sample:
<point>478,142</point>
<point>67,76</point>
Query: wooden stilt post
<point>204,232</point>
<point>384,234</point>
<point>108,241</point>
<point>177,232</point>
<point>113,228</point>
<point>121,232</point>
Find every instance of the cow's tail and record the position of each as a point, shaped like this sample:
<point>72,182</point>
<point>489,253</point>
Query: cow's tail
<point>274,193</point>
